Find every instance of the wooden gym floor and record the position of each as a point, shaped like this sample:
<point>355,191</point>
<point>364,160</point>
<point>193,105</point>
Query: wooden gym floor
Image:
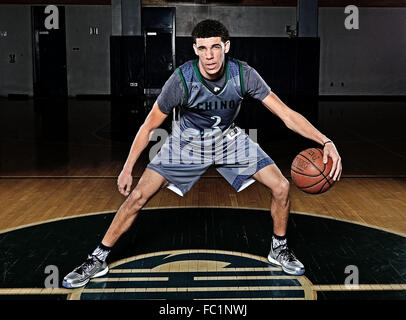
<point>61,159</point>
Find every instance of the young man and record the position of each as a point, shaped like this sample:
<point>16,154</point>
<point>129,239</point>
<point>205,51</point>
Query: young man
<point>207,95</point>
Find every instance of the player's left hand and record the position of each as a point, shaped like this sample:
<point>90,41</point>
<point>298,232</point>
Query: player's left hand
<point>330,150</point>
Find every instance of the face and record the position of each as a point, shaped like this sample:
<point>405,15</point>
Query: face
<point>211,52</point>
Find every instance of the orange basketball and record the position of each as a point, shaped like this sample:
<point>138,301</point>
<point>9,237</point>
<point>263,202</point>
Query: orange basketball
<point>309,173</point>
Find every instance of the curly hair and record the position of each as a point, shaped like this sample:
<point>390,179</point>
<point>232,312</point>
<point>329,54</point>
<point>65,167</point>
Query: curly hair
<point>210,28</point>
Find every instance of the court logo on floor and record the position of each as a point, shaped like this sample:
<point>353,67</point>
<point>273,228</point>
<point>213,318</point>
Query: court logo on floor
<point>195,274</point>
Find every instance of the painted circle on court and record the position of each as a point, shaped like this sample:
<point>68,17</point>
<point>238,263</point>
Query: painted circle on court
<point>196,274</point>
<point>235,240</point>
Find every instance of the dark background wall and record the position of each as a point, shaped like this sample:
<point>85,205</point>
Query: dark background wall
<point>368,61</point>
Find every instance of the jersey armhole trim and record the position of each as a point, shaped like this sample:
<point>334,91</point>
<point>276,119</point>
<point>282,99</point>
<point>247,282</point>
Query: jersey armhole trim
<point>241,78</point>
<point>184,86</point>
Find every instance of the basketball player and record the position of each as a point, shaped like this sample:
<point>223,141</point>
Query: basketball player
<point>205,95</point>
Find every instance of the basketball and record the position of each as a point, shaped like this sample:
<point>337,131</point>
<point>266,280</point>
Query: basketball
<point>309,173</point>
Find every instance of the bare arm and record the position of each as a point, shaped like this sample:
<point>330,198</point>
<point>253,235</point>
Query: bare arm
<point>154,119</point>
<point>299,124</point>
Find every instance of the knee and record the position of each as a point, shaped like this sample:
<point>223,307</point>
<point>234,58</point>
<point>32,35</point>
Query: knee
<point>281,191</point>
<point>136,200</point>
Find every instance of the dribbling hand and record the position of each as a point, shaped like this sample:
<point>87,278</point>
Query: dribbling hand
<point>330,150</point>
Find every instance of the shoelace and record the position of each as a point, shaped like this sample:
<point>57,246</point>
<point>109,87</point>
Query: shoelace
<point>89,263</point>
<point>287,254</point>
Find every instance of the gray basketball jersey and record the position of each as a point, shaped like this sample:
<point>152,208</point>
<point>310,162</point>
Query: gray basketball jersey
<point>205,109</point>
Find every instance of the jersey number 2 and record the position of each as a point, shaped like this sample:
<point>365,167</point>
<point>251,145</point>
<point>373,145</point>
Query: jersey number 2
<point>218,120</point>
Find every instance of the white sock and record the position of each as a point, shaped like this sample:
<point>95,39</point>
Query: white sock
<point>101,253</point>
<point>281,242</point>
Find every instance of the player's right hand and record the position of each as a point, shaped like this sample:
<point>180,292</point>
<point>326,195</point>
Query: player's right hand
<point>124,183</point>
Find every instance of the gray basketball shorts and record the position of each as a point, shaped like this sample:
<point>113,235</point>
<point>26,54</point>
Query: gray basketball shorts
<point>182,161</point>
